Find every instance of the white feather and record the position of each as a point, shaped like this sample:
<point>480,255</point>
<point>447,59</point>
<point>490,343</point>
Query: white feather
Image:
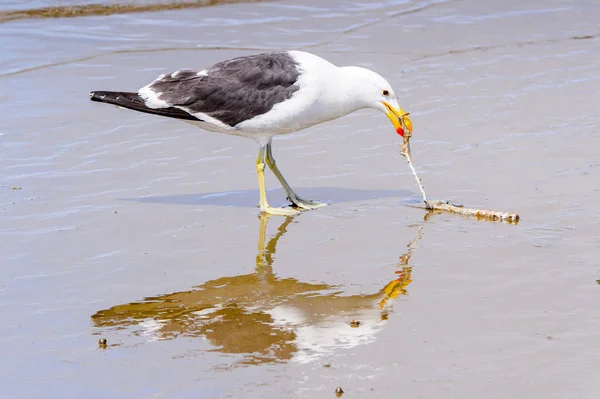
<point>151,97</point>
<point>220,126</point>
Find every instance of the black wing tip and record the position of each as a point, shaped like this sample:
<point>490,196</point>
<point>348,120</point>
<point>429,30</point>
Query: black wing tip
<point>94,96</point>
<point>135,102</point>
<point>101,96</point>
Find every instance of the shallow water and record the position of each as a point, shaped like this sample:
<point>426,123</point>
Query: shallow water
<point>144,231</point>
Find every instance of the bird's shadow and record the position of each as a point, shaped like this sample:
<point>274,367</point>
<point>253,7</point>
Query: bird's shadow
<point>249,198</point>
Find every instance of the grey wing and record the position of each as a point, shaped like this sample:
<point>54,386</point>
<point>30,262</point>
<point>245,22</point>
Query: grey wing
<point>231,91</point>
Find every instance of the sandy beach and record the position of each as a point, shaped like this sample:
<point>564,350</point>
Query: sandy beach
<point>144,230</point>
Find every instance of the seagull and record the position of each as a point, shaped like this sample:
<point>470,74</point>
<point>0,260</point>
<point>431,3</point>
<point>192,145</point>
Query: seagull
<point>261,96</point>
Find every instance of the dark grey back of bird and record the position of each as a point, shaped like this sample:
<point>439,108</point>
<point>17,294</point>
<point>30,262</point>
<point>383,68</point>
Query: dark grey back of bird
<point>231,91</point>
<point>235,90</point>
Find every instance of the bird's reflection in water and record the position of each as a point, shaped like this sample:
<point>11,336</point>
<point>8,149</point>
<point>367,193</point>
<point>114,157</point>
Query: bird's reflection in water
<point>263,317</point>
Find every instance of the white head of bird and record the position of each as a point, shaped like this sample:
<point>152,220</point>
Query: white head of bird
<point>364,88</point>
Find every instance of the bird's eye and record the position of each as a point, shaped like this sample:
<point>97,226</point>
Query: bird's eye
<point>386,93</point>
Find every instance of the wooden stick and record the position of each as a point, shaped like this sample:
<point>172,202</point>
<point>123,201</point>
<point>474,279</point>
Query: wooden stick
<point>478,213</point>
<point>446,205</point>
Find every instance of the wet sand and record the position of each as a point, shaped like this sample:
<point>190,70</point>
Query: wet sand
<point>76,10</point>
<point>145,231</point>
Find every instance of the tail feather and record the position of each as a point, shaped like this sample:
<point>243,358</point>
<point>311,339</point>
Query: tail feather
<point>135,102</point>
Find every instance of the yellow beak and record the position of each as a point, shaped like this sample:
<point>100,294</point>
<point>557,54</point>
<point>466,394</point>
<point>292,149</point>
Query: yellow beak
<point>399,119</point>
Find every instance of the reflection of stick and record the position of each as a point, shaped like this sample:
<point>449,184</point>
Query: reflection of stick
<point>445,205</point>
<point>398,285</point>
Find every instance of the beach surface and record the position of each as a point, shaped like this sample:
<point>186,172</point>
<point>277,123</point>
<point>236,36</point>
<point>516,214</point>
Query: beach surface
<point>144,231</point>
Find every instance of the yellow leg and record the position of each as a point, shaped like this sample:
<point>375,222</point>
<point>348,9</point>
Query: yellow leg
<point>260,169</point>
<point>263,204</point>
<point>289,192</point>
